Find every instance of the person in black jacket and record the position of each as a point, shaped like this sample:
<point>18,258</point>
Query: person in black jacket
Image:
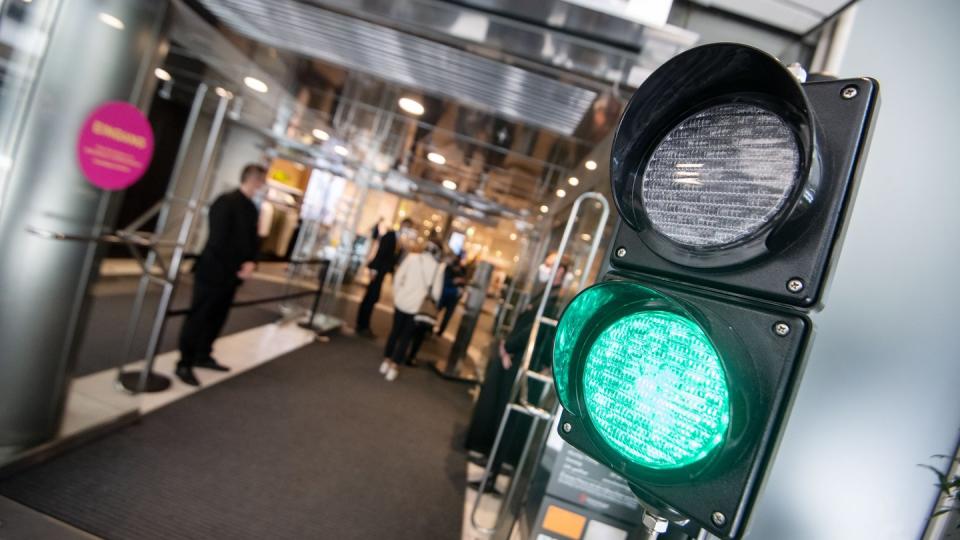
<point>502,367</point>
<point>389,250</point>
<point>227,259</point>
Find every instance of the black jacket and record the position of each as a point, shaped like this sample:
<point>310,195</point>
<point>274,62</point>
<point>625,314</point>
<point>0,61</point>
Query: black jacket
<point>232,240</point>
<point>387,254</point>
<point>516,341</point>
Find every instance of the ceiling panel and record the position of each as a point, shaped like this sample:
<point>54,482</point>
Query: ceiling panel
<point>409,60</point>
<point>796,16</point>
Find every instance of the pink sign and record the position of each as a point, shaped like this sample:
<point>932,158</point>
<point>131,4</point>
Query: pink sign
<point>115,145</point>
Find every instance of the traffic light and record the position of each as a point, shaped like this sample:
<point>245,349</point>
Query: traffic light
<point>733,182</point>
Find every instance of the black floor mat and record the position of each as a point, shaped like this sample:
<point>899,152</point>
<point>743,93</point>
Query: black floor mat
<point>102,346</point>
<point>312,445</point>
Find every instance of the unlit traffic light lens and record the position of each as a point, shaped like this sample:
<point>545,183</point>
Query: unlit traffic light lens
<point>654,387</point>
<point>720,175</point>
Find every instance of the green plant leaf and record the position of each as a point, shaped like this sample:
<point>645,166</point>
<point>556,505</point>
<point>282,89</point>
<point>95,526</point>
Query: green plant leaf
<point>942,480</point>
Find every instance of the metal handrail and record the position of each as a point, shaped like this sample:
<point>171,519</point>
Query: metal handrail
<point>519,389</point>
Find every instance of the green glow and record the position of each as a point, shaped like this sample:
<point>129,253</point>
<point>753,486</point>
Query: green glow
<point>654,387</point>
<point>576,317</point>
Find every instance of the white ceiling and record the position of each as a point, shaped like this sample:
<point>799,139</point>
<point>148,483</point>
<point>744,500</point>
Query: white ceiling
<point>797,16</point>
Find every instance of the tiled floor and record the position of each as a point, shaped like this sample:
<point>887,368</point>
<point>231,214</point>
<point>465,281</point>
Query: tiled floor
<point>489,505</point>
<point>240,352</point>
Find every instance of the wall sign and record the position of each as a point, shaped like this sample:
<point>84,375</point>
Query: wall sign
<point>115,146</point>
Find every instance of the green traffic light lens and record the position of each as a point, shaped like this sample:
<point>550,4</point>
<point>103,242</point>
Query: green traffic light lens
<point>654,387</point>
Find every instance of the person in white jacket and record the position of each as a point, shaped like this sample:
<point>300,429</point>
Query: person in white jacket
<point>420,273</point>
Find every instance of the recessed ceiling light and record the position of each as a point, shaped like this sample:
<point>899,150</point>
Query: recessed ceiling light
<point>162,74</point>
<point>450,184</point>
<point>544,209</point>
<point>561,193</point>
<point>223,92</point>
<point>436,158</point>
<point>412,106</point>
<point>111,21</point>
<point>321,135</point>
<point>256,84</point>
<point>585,237</point>
<point>591,165</point>
<point>341,150</point>
<point>573,180</point>
<point>513,236</point>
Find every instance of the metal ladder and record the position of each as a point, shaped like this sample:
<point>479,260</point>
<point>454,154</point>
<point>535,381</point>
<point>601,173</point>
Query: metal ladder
<point>519,402</point>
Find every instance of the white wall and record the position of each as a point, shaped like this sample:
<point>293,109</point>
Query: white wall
<point>239,147</point>
<point>881,391</point>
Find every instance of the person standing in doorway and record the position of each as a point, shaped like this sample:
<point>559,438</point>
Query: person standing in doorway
<point>227,259</point>
<point>419,277</point>
<point>389,250</point>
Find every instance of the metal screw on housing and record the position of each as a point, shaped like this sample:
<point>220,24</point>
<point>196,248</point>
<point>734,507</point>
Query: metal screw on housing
<point>567,427</point>
<point>797,70</point>
<point>718,519</point>
<point>621,252</point>
<point>781,329</point>
<point>849,92</point>
<point>795,285</point>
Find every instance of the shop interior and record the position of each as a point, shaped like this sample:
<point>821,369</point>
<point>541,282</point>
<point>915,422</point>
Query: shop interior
<point>487,125</point>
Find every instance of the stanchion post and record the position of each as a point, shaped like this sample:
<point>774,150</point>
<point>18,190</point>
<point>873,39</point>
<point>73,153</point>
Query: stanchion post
<point>164,213</point>
<point>173,270</point>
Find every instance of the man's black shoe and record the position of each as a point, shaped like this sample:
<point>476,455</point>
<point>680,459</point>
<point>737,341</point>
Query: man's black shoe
<point>366,333</point>
<point>489,488</point>
<point>210,363</point>
<point>186,375</point>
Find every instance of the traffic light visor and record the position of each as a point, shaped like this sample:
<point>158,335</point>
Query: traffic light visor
<point>714,162</point>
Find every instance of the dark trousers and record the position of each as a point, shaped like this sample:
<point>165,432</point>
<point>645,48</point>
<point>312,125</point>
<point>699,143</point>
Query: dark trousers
<point>401,334</point>
<point>448,304</point>
<point>370,299</point>
<point>208,313</point>
<point>420,332</point>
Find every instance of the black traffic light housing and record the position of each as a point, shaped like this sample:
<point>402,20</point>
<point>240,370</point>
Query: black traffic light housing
<point>788,261</point>
<point>750,297</point>
<point>762,350</point>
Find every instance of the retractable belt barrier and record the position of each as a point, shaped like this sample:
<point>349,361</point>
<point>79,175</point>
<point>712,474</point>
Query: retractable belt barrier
<point>316,293</point>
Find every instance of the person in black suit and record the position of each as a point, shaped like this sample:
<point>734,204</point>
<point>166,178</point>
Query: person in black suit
<point>227,259</point>
<point>389,250</point>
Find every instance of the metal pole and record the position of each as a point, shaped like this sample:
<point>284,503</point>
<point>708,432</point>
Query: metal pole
<point>164,213</point>
<point>186,227</point>
<point>564,239</point>
<point>598,234</point>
